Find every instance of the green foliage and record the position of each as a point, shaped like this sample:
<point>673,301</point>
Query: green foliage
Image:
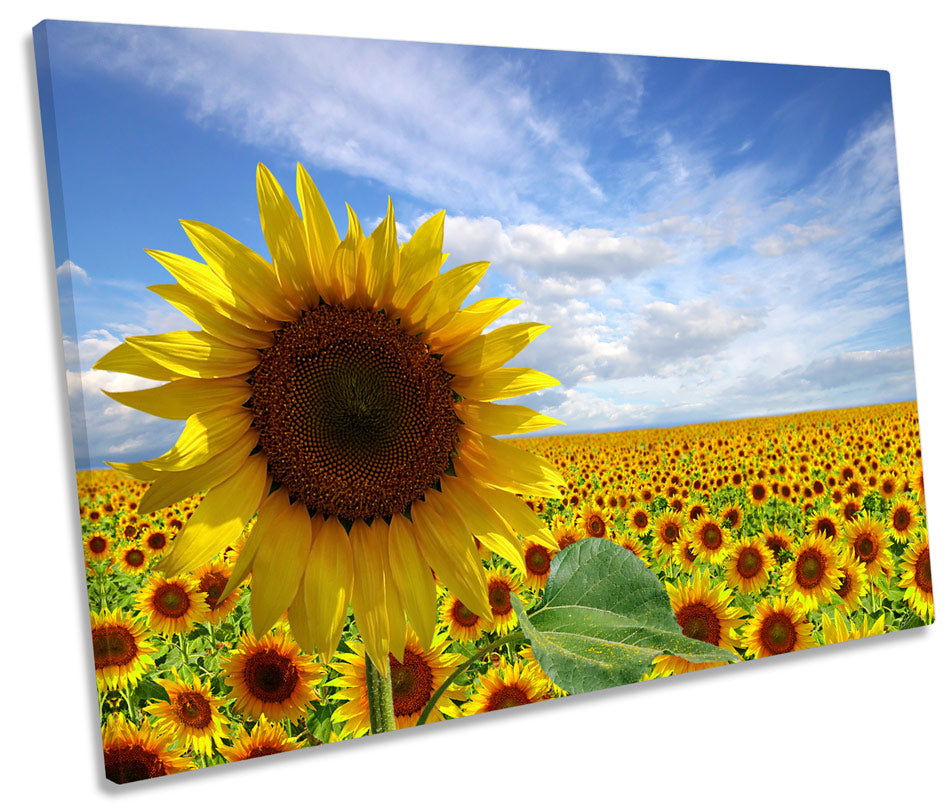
<point>604,619</point>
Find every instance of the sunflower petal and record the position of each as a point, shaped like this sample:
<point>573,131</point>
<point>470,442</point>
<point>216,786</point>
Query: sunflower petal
<point>469,322</point>
<point>346,260</point>
<point>369,589</point>
<point>279,566</point>
<point>382,251</point>
<point>328,583</point>
<point>412,578</point>
<point>299,620</point>
<point>489,351</point>
<point>321,233</point>
<point>498,384</point>
<point>128,359</point>
<point>184,397</point>
<point>251,277</point>
<point>448,547</point>
<point>171,487</point>
<point>493,462</point>
<point>440,300</point>
<point>195,354</point>
<point>286,240</point>
<point>219,519</point>
<point>270,509</point>
<point>205,435</point>
<point>212,321</point>
<point>419,259</point>
<point>490,418</point>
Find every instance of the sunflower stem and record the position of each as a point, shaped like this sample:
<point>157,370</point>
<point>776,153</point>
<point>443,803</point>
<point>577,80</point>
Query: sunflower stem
<point>513,638</point>
<point>379,692</point>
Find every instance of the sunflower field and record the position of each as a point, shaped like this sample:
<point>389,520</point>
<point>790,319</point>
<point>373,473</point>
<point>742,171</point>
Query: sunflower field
<point>770,535</point>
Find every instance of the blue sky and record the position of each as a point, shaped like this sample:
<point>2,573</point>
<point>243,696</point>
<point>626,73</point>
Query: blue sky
<point>708,240</point>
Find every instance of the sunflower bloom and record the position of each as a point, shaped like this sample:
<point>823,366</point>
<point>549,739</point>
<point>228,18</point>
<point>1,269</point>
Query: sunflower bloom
<point>414,679</point>
<point>171,605</point>
<point>120,648</point>
<point>191,715</point>
<point>813,575</point>
<point>134,754</point>
<point>916,578</point>
<point>342,393</point>
<point>868,541</point>
<point>839,629</point>
<point>749,563</point>
<point>778,626</point>
<point>265,739</point>
<point>507,687</point>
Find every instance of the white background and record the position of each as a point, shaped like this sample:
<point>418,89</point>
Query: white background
<point>862,724</point>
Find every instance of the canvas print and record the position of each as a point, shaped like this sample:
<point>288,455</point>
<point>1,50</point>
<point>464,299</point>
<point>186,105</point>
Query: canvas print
<point>471,379</point>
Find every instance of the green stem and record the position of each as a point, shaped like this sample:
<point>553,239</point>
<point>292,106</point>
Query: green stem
<point>514,637</point>
<point>379,692</point>
<point>128,702</point>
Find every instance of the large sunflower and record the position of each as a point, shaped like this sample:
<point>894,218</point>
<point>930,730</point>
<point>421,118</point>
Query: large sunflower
<point>414,679</point>
<point>191,715</point>
<point>749,563</point>
<point>120,648</point>
<point>340,391</point>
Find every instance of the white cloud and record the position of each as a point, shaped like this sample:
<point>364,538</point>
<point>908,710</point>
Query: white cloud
<point>793,237</point>
<point>73,271</point>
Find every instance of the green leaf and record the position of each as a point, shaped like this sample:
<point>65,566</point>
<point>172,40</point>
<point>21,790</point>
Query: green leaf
<point>604,619</point>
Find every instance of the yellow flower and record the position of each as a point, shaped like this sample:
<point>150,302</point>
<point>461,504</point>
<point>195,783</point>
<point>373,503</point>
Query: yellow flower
<point>120,648</point>
<point>813,575</point>
<point>342,393</point>
<point>748,564</point>
<point>265,739</point>
<point>777,626</point>
<point>171,605</point>
<point>916,577</point>
<point>507,687</point>
<point>191,715</point>
<point>839,629</point>
<point>133,754</point>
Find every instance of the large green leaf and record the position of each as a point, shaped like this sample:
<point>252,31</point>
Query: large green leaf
<point>603,620</point>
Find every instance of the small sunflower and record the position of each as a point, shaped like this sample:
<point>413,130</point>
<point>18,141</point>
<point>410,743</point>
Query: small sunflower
<point>777,626</point>
<point>156,541</point>
<point>265,739</point>
<point>414,680</point>
<point>668,527</point>
<point>132,559</point>
<point>460,621</point>
<point>134,754</point>
<point>916,578</point>
<point>839,629</point>
<point>732,514</point>
<point>501,583</point>
<point>565,533</point>
<point>211,580</point>
<point>342,393</point>
<point>758,493</point>
<point>902,520</point>
<point>683,554</point>
<point>639,519</point>
<point>593,522</point>
<point>709,540</point>
<point>854,580</point>
<point>97,547</point>
<point>506,687</point>
<point>826,523</point>
<point>777,539</point>
<point>634,544</point>
<point>814,572</point>
<point>749,563</point>
<point>270,676</point>
<point>120,648</point>
<point>537,560</point>
<point>868,541</point>
<point>191,715</point>
<point>171,605</point>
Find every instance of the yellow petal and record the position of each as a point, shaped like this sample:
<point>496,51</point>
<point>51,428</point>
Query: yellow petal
<point>202,281</point>
<point>169,488</point>
<point>413,579</point>
<point>495,463</point>
<point>128,359</point>
<point>137,470</point>
<point>286,240</point>
<point>328,583</point>
<point>489,351</point>
<point>321,233</point>
<point>279,566</point>
<point>447,545</point>
<point>436,303</point>
<point>300,621</point>
<point>382,252</point>
<point>396,615</point>
<point>195,354</point>
<point>219,519</point>
<point>484,521</point>
<point>369,589</point>
<point>272,506</point>
<point>205,435</point>
<point>490,418</point>
<point>469,322</point>
<point>212,321</point>
<point>346,260</point>
<point>180,399</point>
<point>498,384</point>
<point>419,259</point>
<point>251,277</point>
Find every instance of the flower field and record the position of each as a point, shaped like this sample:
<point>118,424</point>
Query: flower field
<point>770,535</point>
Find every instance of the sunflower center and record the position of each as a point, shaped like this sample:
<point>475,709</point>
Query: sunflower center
<point>499,597</point>
<point>699,622</point>
<point>132,763</point>
<point>758,492</point>
<point>212,584</point>
<point>901,518</point>
<point>171,600</point>
<point>508,696</point>
<point>112,645</point>
<point>537,560</point>
<point>671,532</point>
<point>922,571</point>
<point>826,526</point>
<point>846,584</point>
<point>778,634</point>
<point>809,569</point>
<point>357,418</point>
<point>596,527</point>
<point>97,544</point>
<point>412,683</point>
<point>157,541</point>
<point>270,676</point>
<point>193,709</point>
<point>462,615</point>
<point>750,562</point>
<point>135,558</point>
<point>865,547</point>
<point>712,537</point>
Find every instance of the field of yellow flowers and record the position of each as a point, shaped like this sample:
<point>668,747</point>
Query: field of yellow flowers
<point>770,535</point>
